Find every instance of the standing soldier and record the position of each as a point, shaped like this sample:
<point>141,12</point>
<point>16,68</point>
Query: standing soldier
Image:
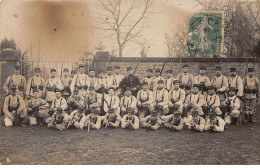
<point>16,80</point>
<point>173,121</point>
<point>214,123</point>
<point>233,105</point>
<point>35,82</point>
<point>176,98</point>
<point>185,78</point>
<point>251,90</point>
<point>144,101</point>
<point>80,82</point>
<point>156,78</point>
<point>77,118</point>
<point>111,119</point>
<point>110,79</point>
<point>75,101</point>
<point>14,109</point>
<point>220,82</point>
<point>213,102</point>
<point>152,121</point>
<point>101,85</point>
<point>130,120</point>
<point>58,102</point>
<point>202,80</point>
<point>66,81</point>
<point>93,100</point>
<point>73,73</point>
<point>196,122</point>
<point>118,78</point>
<point>52,84</point>
<point>236,82</point>
<point>111,101</point>
<point>161,99</point>
<point>169,80</point>
<point>93,120</point>
<point>148,78</point>
<point>131,81</point>
<point>193,102</point>
<point>128,101</point>
<point>92,78</point>
<point>37,108</point>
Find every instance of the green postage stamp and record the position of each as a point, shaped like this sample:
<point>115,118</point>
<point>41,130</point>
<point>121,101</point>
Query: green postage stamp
<point>206,33</point>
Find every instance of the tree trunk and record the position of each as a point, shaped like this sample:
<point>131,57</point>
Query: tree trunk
<point>120,51</point>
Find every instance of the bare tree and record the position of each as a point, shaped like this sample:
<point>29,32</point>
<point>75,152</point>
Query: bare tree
<point>124,21</point>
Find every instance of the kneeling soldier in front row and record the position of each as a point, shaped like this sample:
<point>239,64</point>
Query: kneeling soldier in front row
<point>213,102</point>
<point>58,120</point>
<point>173,121</point>
<point>214,123</point>
<point>130,120</point>
<point>111,119</point>
<point>14,109</point>
<point>197,122</point>
<point>93,120</point>
<point>38,109</point>
<point>152,121</point>
<point>232,107</point>
<point>75,100</point>
<point>77,118</point>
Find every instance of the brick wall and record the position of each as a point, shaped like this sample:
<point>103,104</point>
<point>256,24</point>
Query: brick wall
<point>176,64</point>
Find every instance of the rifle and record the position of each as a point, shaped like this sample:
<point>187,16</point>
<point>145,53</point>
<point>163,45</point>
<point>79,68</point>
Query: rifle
<point>35,108</point>
<point>88,125</point>
<point>162,68</point>
<point>16,119</point>
<point>136,67</point>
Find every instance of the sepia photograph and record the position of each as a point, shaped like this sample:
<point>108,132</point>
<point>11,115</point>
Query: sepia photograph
<point>129,82</point>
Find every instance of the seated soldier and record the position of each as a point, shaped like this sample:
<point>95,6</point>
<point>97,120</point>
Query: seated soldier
<point>93,120</point>
<point>38,109</point>
<point>93,100</point>
<point>232,107</point>
<point>176,98</point>
<point>213,102</point>
<point>161,99</point>
<point>173,121</point>
<point>197,122</point>
<point>214,123</point>
<point>130,120</point>
<point>144,101</point>
<point>111,119</point>
<point>128,101</point>
<point>77,118</point>
<point>193,102</point>
<point>111,101</point>
<point>59,120</point>
<point>75,100</point>
<point>152,121</point>
<point>58,102</point>
<point>14,109</point>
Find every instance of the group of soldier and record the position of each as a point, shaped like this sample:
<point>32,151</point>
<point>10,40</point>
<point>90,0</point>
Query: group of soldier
<point>83,101</point>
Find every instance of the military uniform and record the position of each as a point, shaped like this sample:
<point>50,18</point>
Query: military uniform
<point>203,82</point>
<point>93,120</point>
<point>176,99</point>
<point>59,103</point>
<point>233,111</point>
<point>36,82</point>
<point>161,100</point>
<point>101,84</point>
<point>236,82</point>
<point>16,80</point>
<point>156,79</point>
<point>173,121</point>
<point>110,79</point>
<point>251,90</point>
<point>128,102</point>
<point>77,118</point>
<point>66,81</point>
<point>51,85</point>
<point>59,120</point>
<point>185,79</point>
<point>130,120</point>
<point>75,100</point>
<point>152,121</point>
<point>80,82</point>
<point>196,122</point>
<point>215,123</point>
<point>145,101</point>
<point>169,81</point>
<point>14,110</point>
<point>111,102</point>
<point>118,79</point>
<point>111,119</point>
<point>213,102</point>
<point>131,81</point>
<point>93,101</point>
<point>148,79</point>
<point>38,109</point>
<point>92,79</point>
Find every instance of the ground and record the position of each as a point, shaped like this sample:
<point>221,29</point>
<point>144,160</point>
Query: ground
<point>40,145</point>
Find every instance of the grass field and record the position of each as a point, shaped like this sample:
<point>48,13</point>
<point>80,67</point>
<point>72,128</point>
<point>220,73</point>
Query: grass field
<point>40,145</point>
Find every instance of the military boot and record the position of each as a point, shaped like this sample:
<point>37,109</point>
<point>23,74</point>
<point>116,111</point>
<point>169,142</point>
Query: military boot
<point>246,118</point>
<point>251,118</point>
